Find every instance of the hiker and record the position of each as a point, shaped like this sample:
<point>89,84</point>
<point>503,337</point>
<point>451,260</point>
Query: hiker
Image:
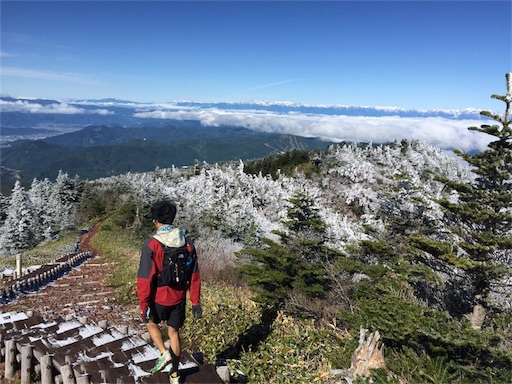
<point>167,303</point>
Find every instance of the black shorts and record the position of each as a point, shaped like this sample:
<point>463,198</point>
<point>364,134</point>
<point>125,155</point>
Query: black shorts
<point>173,316</point>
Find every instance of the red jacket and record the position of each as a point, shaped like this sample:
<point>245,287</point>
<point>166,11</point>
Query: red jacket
<point>151,261</point>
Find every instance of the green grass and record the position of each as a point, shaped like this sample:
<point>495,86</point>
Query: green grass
<point>122,248</point>
<point>288,349</point>
<point>229,330</point>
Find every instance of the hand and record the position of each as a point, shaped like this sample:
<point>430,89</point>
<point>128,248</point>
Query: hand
<point>197,311</point>
<point>144,315</point>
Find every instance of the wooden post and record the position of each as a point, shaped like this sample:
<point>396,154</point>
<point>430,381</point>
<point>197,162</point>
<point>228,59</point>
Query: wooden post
<point>10,358</point>
<point>104,375</point>
<point>18,265</point>
<point>146,337</point>
<point>223,372</point>
<point>2,347</point>
<point>83,320</point>
<point>67,374</point>
<point>26,364</point>
<point>83,379</point>
<point>46,369</point>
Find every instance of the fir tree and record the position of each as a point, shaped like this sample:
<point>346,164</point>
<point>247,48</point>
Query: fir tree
<point>278,271</point>
<point>306,226</point>
<point>4,204</point>
<point>64,199</point>
<point>39,194</point>
<point>18,230</point>
<point>482,216</point>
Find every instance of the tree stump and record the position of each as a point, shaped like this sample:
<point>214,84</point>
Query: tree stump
<point>366,357</point>
<point>477,317</point>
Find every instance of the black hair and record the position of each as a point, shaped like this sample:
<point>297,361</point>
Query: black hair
<point>163,211</point>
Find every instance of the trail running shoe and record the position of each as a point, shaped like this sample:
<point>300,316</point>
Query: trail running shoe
<point>174,380</point>
<point>161,362</point>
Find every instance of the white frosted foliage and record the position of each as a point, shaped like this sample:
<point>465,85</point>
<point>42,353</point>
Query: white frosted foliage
<point>356,188</point>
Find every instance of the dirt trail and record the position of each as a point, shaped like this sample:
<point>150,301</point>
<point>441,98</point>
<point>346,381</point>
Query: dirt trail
<point>84,292</point>
<point>87,238</point>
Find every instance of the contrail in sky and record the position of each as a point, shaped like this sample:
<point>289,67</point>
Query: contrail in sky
<point>272,84</point>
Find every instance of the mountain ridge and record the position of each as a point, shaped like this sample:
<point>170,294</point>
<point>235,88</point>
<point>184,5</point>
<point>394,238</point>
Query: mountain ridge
<point>283,106</point>
<point>102,151</point>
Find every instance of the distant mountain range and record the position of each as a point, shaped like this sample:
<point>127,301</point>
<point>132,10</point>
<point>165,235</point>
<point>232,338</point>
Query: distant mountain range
<point>30,113</point>
<point>96,138</point>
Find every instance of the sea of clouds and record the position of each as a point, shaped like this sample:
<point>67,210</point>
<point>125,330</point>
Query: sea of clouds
<point>26,106</point>
<point>446,133</point>
<point>438,131</point>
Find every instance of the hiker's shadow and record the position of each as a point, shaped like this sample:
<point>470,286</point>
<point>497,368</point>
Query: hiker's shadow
<point>250,339</point>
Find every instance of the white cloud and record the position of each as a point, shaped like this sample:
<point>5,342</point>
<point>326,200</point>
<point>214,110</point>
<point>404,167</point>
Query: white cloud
<point>438,131</point>
<point>103,112</point>
<point>57,108</point>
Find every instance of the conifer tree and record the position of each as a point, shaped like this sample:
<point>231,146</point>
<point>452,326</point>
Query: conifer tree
<point>64,200</point>
<point>18,232</point>
<point>39,194</point>
<point>306,225</point>
<point>278,270</point>
<point>4,204</point>
<point>482,216</point>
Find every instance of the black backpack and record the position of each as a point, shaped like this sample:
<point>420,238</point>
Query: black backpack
<point>178,265</point>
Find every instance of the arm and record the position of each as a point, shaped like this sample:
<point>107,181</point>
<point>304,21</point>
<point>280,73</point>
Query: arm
<point>195,288</point>
<point>195,292</point>
<point>195,280</point>
<point>145,276</point>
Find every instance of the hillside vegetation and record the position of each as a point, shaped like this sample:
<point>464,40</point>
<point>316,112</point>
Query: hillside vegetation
<point>102,151</point>
<point>300,251</point>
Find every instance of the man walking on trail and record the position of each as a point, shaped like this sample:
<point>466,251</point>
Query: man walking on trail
<point>167,302</point>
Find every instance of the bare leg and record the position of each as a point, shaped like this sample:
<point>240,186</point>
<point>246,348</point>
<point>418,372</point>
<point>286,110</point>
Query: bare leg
<point>174,337</point>
<point>156,335</point>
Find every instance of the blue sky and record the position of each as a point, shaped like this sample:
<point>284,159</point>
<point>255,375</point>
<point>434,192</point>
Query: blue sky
<point>409,54</point>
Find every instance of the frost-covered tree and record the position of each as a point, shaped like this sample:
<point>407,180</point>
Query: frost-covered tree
<point>4,204</point>
<point>44,218</point>
<point>39,213</point>
<point>354,188</point>
<point>18,229</point>
<point>64,199</point>
<point>379,192</point>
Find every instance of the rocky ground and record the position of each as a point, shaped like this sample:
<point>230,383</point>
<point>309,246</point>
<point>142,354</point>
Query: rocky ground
<point>84,292</point>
